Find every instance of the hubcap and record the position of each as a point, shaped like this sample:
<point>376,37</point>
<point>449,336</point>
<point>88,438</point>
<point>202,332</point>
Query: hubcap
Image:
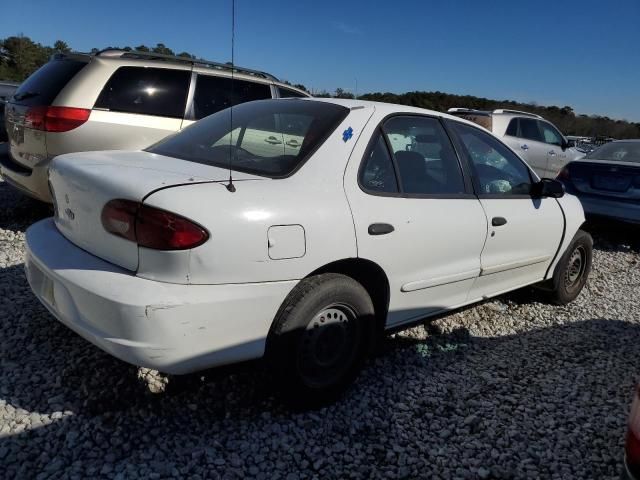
<point>329,345</point>
<point>575,267</point>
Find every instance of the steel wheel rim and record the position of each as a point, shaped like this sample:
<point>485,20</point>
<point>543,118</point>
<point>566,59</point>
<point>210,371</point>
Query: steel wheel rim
<point>575,267</point>
<point>328,345</point>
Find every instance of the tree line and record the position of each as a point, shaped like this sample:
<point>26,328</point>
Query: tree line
<point>20,56</point>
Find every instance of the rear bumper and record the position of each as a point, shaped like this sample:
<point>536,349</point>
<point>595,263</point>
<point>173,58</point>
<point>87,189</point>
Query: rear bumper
<point>169,327</point>
<point>626,474</point>
<point>33,182</point>
<point>612,209</point>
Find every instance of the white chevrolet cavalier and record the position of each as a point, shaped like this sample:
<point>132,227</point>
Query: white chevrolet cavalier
<point>344,219</point>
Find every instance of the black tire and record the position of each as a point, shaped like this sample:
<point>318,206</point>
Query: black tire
<point>572,270</point>
<point>320,338</point>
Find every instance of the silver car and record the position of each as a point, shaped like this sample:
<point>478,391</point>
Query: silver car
<point>535,139</point>
<point>117,100</point>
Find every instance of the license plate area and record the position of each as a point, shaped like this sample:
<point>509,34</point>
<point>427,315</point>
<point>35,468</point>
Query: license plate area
<point>610,183</point>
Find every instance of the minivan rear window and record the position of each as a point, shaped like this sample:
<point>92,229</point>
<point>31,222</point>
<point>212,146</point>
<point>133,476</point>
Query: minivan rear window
<point>271,138</point>
<point>146,91</point>
<point>44,85</point>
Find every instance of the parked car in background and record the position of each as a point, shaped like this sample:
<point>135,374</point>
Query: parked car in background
<point>157,258</point>
<point>535,139</point>
<point>607,181</point>
<point>632,441</point>
<point>116,100</point>
<point>7,89</point>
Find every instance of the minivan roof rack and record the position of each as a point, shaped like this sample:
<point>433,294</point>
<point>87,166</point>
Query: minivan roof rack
<point>135,54</point>
<point>468,110</point>
<point>517,112</point>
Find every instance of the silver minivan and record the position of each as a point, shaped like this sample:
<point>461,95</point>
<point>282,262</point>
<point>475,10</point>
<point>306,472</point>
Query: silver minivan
<point>117,100</point>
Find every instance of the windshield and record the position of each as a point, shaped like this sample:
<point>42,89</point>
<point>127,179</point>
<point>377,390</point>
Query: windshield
<point>617,152</point>
<point>271,138</point>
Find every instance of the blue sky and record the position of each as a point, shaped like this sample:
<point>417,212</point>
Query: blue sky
<point>580,53</point>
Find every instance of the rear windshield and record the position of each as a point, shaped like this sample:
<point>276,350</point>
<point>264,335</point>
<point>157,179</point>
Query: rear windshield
<point>44,85</point>
<point>617,152</point>
<point>271,138</point>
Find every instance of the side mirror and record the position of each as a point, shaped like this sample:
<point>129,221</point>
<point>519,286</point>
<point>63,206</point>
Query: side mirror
<point>568,144</point>
<point>548,187</point>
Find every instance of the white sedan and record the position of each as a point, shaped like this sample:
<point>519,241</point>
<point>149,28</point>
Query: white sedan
<point>299,233</point>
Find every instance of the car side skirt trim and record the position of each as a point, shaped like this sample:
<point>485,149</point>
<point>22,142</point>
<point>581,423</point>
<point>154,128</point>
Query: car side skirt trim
<point>435,282</point>
<point>517,264</point>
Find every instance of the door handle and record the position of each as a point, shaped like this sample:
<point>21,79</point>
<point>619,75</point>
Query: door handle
<point>293,143</point>
<point>272,140</point>
<point>380,229</point>
<point>524,146</point>
<point>552,153</point>
<point>498,221</point>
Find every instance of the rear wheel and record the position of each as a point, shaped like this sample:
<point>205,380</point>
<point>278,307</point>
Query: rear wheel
<point>320,338</point>
<point>573,269</point>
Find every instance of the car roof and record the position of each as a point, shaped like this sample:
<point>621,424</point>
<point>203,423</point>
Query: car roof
<point>385,109</point>
<point>134,57</point>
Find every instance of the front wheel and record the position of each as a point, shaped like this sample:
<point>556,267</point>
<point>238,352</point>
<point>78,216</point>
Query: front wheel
<point>320,338</point>
<point>573,269</point>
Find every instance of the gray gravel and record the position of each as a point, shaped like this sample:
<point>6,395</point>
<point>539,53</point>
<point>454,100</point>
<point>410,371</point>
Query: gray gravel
<point>511,388</point>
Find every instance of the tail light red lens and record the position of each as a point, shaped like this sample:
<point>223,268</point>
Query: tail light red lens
<point>563,174</point>
<point>151,227</point>
<point>632,444</point>
<point>56,119</point>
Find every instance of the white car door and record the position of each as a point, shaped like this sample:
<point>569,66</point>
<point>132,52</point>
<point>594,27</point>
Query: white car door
<point>524,136</point>
<point>415,215</point>
<point>524,231</point>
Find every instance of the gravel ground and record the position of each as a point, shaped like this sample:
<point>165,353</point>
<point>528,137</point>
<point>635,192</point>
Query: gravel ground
<point>511,388</point>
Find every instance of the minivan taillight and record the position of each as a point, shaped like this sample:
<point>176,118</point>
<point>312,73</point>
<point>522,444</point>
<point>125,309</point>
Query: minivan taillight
<point>151,227</point>
<point>56,119</point>
<point>632,444</point>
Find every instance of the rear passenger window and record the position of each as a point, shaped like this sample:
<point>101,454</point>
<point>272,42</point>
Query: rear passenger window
<point>217,93</point>
<point>427,163</point>
<point>512,129</point>
<point>146,91</point>
<point>286,93</point>
<point>377,174</point>
<point>529,129</point>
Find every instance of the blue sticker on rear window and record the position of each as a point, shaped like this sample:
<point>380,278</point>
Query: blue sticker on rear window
<point>347,134</point>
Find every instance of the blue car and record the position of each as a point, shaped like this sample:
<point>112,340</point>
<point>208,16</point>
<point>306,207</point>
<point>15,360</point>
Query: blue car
<point>607,181</point>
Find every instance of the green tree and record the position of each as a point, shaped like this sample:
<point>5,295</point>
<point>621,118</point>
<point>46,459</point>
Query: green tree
<point>340,93</point>
<point>61,46</point>
<point>162,49</point>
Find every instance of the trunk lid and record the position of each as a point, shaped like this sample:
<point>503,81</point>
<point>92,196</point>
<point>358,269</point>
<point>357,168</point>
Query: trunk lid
<point>606,178</point>
<point>82,183</point>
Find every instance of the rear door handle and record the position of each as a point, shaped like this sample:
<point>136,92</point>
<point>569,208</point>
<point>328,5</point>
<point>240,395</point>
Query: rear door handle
<point>524,146</point>
<point>498,221</point>
<point>552,153</point>
<point>380,229</point>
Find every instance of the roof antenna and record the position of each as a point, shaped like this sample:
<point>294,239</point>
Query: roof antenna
<point>230,186</point>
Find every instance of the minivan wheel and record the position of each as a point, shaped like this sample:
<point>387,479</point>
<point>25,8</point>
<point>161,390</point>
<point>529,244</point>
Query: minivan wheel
<point>573,269</point>
<point>320,338</point>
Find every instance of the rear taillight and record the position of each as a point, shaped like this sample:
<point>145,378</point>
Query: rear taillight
<point>563,174</point>
<point>632,444</point>
<point>56,119</point>
<point>151,227</point>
